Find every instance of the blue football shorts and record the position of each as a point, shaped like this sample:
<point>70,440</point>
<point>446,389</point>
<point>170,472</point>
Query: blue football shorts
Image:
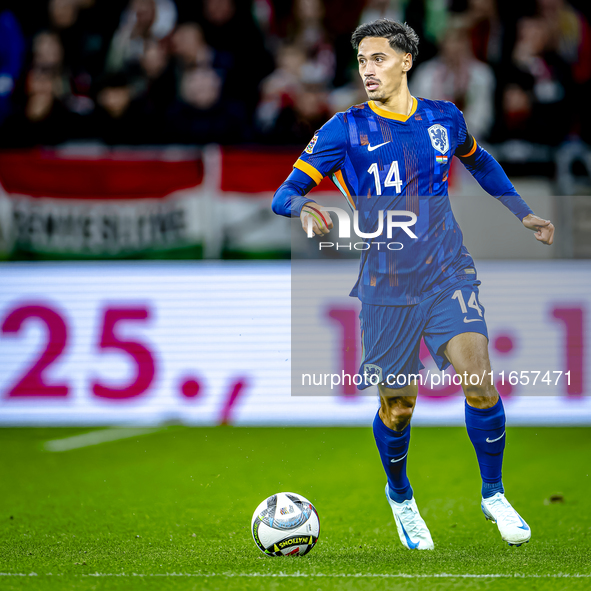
<point>391,335</point>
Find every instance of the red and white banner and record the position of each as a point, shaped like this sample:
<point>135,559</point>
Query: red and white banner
<point>112,204</point>
<point>203,344</point>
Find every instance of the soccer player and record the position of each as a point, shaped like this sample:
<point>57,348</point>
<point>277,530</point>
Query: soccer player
<point>393,153</point>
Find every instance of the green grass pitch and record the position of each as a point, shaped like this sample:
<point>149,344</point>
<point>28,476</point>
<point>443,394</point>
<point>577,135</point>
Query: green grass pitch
<point>172,510</point>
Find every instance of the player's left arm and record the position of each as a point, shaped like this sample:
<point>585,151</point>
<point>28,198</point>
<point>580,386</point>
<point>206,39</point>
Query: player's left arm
<point>492,178</point>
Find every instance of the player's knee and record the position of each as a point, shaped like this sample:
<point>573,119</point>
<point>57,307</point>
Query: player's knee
<point>481,396</point>
<point>396,411</point>
<point>403,413</point>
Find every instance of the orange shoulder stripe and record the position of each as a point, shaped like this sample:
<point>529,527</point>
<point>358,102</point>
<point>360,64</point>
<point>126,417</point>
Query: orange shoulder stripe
<point>314,174</point>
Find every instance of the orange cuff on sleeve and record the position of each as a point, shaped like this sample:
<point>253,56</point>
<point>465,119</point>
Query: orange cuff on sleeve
<point>309,170</point>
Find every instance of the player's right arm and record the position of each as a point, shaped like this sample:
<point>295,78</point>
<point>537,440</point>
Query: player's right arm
<point>323,155</point>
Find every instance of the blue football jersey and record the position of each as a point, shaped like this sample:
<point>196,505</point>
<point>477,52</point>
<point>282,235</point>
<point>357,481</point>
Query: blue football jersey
<point>382,161</point>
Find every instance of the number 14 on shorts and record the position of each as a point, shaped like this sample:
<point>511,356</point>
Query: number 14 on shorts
<point>472,303</point>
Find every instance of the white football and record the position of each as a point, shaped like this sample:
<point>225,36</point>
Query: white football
<point>285,524</point>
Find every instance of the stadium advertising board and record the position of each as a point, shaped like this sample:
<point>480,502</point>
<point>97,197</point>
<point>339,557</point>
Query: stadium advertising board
<point>204,344</point>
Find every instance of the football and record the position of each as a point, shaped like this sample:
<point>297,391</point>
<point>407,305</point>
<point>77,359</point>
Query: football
<point>285,524</point>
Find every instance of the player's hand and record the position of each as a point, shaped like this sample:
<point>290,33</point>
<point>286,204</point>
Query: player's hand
<point>544,229</point>
<point>320,219</point>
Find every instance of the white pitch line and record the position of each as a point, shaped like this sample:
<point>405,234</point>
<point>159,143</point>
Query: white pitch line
<point>312,575</point>
<point>96,437</point>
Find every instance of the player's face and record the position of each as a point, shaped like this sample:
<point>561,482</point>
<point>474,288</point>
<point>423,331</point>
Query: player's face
<point>381,68</point>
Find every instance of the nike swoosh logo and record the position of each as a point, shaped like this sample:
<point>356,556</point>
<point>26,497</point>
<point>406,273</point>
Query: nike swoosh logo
<point>399,459</point>
<point>493,440</point>
<point>473,320</point>
<point>371,148</point>
<point>524,526</point>
<point>412,545</point>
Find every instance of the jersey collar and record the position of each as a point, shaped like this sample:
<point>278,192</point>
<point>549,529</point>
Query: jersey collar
<point>389,115</point>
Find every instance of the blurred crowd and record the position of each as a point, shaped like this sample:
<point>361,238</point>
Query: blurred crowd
<point>273,71</point>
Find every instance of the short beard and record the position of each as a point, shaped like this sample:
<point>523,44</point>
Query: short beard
<point>375,95</point>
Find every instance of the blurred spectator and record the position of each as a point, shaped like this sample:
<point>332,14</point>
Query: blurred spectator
<point>264,16</point>
<point>375,9</point>
<point>294,101</point>
<point>156,84</point>
<point>297,122</point>
<point>308,33</point>
<point>341,17</point>
<point>84,28</point>
<point>48,51</point>
<point>569,34</point>
<point>517,109</point>
<point>154,60</point>
<point>189,47</point>
<point>427,17</point>
<point>229,27</point>
<point>202,115</point>
<point>62,18</point>
<point>117,119</point>
<point>353,93</point>
<point>280,88</point>
<point>63,13</point>
<point>42,119</point>
<point>534,55</point>
<point>48,55</point>
<point>12,50</point>
<point>536,88</point>
<point>142,21</point>
<point>455,75</point>
<point>190,50</point>
<point>486,30</point>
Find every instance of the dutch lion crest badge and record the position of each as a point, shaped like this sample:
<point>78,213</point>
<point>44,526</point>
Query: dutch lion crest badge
<point>439,139</point>
<point>372,373</point>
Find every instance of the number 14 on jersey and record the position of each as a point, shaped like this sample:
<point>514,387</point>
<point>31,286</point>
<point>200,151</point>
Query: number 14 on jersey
<point>393,173</point>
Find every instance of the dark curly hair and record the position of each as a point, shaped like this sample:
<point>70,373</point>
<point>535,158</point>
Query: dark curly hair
<point>400,36</point>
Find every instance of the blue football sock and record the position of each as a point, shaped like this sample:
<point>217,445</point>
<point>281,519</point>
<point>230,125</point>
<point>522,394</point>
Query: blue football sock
<point>486,429</point>
<point>393,448</point>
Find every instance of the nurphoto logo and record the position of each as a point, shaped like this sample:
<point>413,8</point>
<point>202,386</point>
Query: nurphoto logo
<point>398,218</point>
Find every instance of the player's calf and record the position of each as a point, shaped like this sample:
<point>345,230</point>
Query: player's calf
<point>486,429</point>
